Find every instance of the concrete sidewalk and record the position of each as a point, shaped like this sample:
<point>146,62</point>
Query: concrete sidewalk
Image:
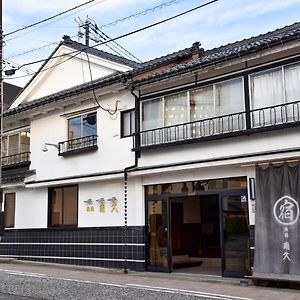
<point>212,285</point>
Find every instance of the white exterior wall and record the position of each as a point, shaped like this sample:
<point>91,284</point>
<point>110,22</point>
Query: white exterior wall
<point>31,208</point>
<point>246,145</point>
<point>63,73</point>
<point>114,153</point>
<point>107,190</point>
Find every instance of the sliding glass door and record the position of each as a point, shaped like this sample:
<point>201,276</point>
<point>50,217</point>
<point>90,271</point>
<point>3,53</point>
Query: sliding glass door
<point>235,234</point>
<point>158,236</point>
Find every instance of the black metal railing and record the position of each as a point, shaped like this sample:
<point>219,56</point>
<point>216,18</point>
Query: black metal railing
<point>78,145</point>
<point>225,125</point>
<point>16,159</point>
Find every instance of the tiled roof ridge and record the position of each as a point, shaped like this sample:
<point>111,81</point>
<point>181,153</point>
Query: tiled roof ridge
<point>231,50</point>
<point>194,49</point>
<point>256,37</point>
<point>67,41</point>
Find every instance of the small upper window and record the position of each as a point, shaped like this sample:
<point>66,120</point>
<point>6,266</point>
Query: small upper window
<point>82,126</point>
<point>127,123</point>
<point>9,207</point>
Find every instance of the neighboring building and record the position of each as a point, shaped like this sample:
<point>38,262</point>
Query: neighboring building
<point>179,191</point>
<point>10,93</point>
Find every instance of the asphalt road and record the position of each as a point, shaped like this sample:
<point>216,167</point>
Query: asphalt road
<point>29,280</point>
<point>16,285</point>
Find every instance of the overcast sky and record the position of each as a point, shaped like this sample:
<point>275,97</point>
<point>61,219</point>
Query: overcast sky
<point>220,23</point>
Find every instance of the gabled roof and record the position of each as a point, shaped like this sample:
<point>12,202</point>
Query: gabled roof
<point>222,53</point>
<point>90,50</point>
<point>73,91</point>
<point>230,51</point>
<point>78,47</point>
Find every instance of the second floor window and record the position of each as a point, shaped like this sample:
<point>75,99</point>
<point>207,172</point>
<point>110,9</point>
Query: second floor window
<point>82,126</point>
<point>15,143</point>
<point>127,123</point>
<point>276,86</point>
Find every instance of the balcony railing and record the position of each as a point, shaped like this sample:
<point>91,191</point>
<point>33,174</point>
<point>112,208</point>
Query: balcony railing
<point>83,144</point>
<point>16,159</point>
<point>262,119</point>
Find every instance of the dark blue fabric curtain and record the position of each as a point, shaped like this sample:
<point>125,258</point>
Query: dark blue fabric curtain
<point>277,222</point>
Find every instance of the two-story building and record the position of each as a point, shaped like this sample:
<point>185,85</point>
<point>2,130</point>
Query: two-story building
<point>166,165</point>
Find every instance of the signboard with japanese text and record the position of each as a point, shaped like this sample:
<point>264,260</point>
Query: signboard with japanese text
<point>277,223</point>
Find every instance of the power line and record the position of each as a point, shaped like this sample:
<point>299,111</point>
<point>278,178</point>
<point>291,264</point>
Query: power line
<point>76,52</point>
<point>57,20</point>
<point>35,49</point>
<point>32,50</point>
<point>141,13</point>
<point>49,18</point>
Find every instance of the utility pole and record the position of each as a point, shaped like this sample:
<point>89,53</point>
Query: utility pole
<point>1,123</point>
<point>86,27</point>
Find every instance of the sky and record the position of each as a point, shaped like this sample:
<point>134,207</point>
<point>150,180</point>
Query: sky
<point>219,23</point>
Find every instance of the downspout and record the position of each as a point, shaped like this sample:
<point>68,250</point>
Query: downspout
<point>136,142</point>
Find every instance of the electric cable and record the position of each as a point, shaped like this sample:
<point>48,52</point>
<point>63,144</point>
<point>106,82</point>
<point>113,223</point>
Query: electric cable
<point>22,36</point>
<point>141,13</point>
<point>94,94</point>
<point>127,53</point>
<point>118,37</point>
<point>48,19</point>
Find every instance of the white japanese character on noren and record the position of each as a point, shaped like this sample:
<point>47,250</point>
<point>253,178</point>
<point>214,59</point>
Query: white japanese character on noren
<point>286,210</point>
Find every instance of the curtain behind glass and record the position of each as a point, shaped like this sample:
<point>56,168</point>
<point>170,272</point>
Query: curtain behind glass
<point>152,114</point>
<point>229,100</point>
<point>266,89</point>
<point>176,112</point>
<point>229,97</point>
<point>176,108</point>
<point>292,83</point>
<point>202,103</point>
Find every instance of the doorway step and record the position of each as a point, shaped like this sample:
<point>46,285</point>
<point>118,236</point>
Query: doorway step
<point>185,261</point>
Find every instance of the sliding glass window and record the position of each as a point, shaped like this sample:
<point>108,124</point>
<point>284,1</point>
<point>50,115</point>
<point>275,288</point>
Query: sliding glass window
<point>276,87</point>
<point>16,143</point>
<point>9,208</point>
<point>63,206</point>
<point>198,106</point>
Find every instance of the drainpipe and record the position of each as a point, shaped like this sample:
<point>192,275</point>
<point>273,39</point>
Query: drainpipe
<point>136,143</point>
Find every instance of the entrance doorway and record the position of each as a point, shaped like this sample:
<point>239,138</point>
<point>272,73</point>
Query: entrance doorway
<point>204,232</point>
<point>195,234</point>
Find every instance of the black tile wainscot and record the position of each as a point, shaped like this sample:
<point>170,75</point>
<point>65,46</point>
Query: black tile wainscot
<point>102,247</point>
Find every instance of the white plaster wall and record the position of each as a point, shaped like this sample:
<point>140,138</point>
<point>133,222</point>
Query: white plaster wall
<point>31,208</point>
<point>62,73</point>
<point>136,201</point>
<point>107,190</point>
<point>114,153</point>
<point>245,145</point>
<point>95,191</point>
